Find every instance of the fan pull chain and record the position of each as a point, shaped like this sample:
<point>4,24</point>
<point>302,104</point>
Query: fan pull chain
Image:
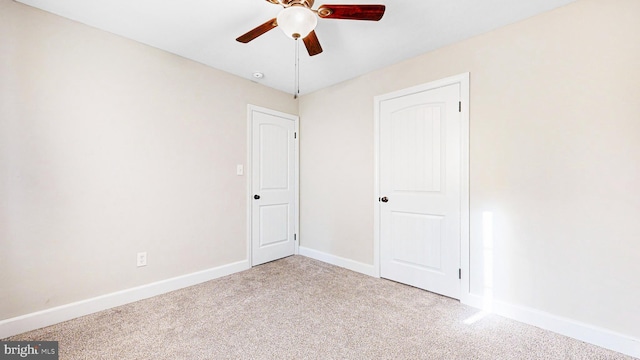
<point>297,70</point>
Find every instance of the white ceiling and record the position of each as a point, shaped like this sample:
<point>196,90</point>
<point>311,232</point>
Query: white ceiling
<point>205,31</point>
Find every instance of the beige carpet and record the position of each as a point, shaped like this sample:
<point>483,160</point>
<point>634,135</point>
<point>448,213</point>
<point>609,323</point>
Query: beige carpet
<point>299,308</point>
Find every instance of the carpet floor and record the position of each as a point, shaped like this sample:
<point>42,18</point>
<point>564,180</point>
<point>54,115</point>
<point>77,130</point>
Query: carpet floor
<point>300,308</point>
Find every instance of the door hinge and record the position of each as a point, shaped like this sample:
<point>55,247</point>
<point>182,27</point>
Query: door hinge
<point>295,237</point>
<point>460,274</point>
<point>295,135</point>
<point>459,106</point>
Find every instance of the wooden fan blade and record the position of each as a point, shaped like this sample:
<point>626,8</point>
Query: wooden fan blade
<point>312,44</point>
<point>352,12</point>
<point>252,34</point>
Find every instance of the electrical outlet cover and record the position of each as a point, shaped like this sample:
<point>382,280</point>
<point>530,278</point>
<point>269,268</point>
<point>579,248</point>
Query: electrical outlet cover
<point>142,259</point>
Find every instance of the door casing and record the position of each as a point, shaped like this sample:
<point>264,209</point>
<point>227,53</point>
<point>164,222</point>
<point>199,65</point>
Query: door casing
<point>463,80</point>
<point>249,175</point>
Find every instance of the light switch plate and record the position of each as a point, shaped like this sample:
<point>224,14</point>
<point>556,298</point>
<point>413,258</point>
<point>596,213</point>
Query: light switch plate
<point>240,170</point>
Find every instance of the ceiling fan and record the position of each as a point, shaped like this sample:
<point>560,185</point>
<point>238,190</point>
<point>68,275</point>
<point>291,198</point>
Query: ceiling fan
<point>298,20</point>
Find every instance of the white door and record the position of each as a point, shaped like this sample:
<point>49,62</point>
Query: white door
<point>273,184</point>
<point>419,189</point>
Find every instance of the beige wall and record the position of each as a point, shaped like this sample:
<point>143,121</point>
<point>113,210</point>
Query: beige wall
<point>555,156</point>
<point>107,148</point>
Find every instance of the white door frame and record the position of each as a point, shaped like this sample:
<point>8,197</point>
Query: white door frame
<point>248,175</point>
<point>463,80</point>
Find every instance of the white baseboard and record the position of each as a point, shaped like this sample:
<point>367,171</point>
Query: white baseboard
<point>36,320</point>
<point>338,261</point>
<point>588,333</point>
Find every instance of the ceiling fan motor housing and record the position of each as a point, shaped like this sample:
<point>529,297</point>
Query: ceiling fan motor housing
<point>305,3</point>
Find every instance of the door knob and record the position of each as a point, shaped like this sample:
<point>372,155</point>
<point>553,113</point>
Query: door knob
<point>384,199</point>
<point>256,196</point>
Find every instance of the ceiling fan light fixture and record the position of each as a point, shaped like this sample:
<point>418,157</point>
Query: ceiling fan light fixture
<point>297,21</point>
